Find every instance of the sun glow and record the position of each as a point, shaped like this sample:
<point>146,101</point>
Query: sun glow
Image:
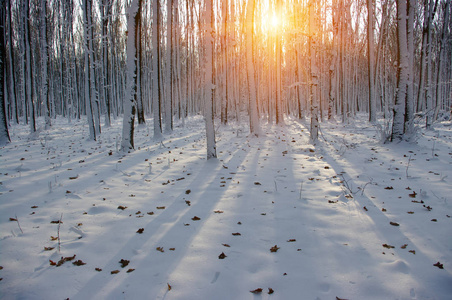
<point>274,22</point>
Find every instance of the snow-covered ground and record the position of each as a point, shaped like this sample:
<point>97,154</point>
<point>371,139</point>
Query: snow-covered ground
<point>349,218</point>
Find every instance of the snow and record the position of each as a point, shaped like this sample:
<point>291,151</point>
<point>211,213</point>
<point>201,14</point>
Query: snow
<point>327,208</point>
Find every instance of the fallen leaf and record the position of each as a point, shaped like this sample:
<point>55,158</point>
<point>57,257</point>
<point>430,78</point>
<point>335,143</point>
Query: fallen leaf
<point>78,263</point>
<point>187,192</point>
<point>160,249</point>
<point>236,233</point>
<point>195,218</point>
<point>337,298</point>
<point>130,270</point>
<point>52,263</point>
<point>394,224</point>
<point>257,291</point>
<point>218,211</point>
<point>98,269</point>
<point>172,249</point>
<point>365,208</point>
<point>412,195</point>
<point>439,265</point>
<point>404,246</point>
<point>226,245</point>
<point>53,238</point>
<point>169,287</point>
<point>410,212</point>
<point>389,188</point>
<point>412,251</point>
<point>383,209</point>
<point>124,262</point>
<point>34,206</point>
<point>48,248</point>
<point>160,207</point>
<point>388,246</point>
<point>122,207</point>
<point>222,256</point>
<point>292,240</point>
<point>114,272</point>
<point>56,222</point>
<point>270,291</point>
<point>274,248</point>
<point>140,231</point>
<point>257,183</point>
<point>150,213</point>
<point>188,202</point>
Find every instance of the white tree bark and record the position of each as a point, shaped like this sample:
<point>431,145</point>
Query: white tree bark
<point>128,123</point>
<point>313,80</point>
<point>402,80</point>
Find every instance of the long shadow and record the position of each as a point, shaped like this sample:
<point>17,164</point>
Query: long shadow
<point>166,230</point>
<point>398,263</point>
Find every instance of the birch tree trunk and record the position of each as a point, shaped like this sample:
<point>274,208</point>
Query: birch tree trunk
<point>209,115</point>
<point>313,79</point>
<point>128,123</point>
<point>402,79</point>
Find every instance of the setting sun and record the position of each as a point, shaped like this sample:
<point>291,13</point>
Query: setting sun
<point>274,22</point>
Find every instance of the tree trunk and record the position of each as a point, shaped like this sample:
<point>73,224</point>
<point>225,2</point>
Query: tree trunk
<point>169,72</point>
<point>370,61</point>
<point>254,120</point>
<point>130,99</point>
<point>156,100</point>
<point>402,78</point>
<point>313,79</point>
<point>209,115</point>
<point>4,134</point>
<point>28,68</point>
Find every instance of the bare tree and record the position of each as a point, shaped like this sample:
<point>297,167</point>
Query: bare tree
<point>4,134</point>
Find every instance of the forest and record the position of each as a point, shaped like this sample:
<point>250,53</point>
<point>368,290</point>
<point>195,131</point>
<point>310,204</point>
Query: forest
<point>166,60</point>
<point>225,149</point>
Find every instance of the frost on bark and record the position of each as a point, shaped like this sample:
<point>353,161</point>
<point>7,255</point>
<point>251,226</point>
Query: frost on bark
<point>402,78</point>
<point>127,142</point>
<point>209,116</point>
<point>254,120</point>
<point>4,134</point>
